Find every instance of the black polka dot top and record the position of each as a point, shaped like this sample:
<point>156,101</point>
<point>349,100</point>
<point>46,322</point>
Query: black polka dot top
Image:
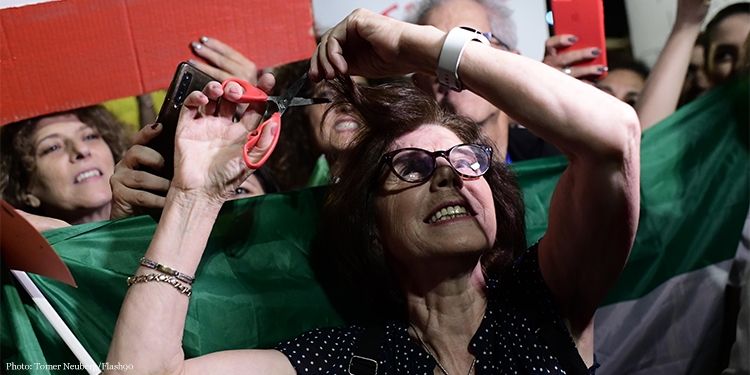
<point>503,344</point>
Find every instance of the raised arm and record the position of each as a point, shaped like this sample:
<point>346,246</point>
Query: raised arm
<point>208,168</point>
<point>661,93</point>
<point>594,209</point>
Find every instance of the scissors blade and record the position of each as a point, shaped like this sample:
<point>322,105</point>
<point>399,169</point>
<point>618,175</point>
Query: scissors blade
<point>283,101</point>
<point>301,102</point>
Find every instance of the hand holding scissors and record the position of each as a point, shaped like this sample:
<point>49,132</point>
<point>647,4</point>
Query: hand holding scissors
<point>273,112</point>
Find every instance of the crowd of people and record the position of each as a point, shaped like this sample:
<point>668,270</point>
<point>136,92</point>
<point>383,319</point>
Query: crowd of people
<point>423,216</point>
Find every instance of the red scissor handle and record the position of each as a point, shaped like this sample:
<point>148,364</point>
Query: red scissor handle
<point>252,139</point>
<point>252,93</point>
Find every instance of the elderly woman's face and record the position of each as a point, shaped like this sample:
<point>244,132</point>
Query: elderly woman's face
<point>73,165</point>
<point>406,211</point>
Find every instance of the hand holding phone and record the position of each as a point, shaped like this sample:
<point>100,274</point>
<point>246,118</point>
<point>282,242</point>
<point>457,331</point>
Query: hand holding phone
<point>585,20</point>
<point>187,79</point>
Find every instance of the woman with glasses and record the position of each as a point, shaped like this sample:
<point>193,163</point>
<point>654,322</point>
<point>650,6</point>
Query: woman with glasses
<point>427,225</point>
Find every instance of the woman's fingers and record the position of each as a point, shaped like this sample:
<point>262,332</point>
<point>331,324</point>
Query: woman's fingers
<point>228,105</point>
<point>146,134</point>
<point>572,57</point>
<point>139,180</point>
<point>252,114</point>
<point>138,155</point>
<point>266,82</point>
<point>324,66</point>
<point>265,141</point>
<point>328,60</point>
<point>223,61</point>
<point>133,189</point>
<point>568,61</point>
<point>586,71</point>
<point>315,72</point>
<point>556,42</point>
<point>335,54</point>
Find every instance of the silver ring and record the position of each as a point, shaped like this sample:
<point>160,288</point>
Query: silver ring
<point>566,70</point>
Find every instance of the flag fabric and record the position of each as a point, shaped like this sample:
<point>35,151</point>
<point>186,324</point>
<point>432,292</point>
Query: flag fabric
<point>255,287</point>
<point>664,315</point>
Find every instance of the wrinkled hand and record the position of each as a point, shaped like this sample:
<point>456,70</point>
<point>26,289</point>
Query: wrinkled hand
<point>134,189</point>
<point>370,45</point>
<point>42,223</point>
<point>208,144</point>
<point>557,55</point>
<point>223,61</point>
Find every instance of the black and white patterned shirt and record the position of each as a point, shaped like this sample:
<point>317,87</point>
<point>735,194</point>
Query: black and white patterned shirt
<point>503,344</point>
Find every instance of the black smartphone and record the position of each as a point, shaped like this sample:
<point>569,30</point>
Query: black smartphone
<point>187,79</point>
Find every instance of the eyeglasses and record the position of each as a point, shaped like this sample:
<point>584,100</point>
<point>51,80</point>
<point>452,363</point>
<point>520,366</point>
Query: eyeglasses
<point>495,41</point>
<point>469,160</point>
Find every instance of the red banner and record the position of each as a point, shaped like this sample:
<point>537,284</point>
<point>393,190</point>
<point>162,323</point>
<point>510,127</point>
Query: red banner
<point>67,54</point>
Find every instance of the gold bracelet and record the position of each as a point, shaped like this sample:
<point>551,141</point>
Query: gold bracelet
<point>167,270</point>
<point>171,280</point>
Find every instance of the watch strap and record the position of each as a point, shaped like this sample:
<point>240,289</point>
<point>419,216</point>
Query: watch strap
<point>450,55</point>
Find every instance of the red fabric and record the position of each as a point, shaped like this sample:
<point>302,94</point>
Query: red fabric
<point>67,54</point>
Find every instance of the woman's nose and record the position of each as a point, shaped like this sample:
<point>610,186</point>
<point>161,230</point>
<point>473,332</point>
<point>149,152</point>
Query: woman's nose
<point>445,176</point>
<point>79,150</point>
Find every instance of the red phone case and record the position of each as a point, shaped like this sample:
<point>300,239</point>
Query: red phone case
<point>584,19</point>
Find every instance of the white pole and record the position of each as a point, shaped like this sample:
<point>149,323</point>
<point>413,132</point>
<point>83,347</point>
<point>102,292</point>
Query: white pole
<point>54,318</point>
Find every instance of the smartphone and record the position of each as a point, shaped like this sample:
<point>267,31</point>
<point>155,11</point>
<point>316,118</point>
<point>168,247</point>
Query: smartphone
<point>584,19</point>
<point>187,79</point>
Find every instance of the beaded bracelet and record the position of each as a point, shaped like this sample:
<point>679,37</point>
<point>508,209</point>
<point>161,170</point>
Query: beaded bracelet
<point>171,280</point>
<point>167,270</point>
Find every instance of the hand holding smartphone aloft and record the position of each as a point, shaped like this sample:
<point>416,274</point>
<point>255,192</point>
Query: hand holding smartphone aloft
<point>187,79</point>
<point>585,20</point>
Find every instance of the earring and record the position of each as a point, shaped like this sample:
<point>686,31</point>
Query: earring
<point>33,201</point>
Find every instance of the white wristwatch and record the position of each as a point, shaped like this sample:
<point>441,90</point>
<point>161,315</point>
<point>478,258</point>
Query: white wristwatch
<point>450,55</point>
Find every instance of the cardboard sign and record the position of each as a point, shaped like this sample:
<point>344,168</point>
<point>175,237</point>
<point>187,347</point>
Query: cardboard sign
<point>25,249</point>
<point>68,54</point>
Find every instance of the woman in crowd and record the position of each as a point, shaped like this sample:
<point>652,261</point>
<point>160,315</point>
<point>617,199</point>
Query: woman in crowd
<point>722,45</point>
<point>306,135</point>
<point>625,80</point>
<point>307,141</point>
<point>57,167</point>
<point>725,35</point>
<point>429,220</point>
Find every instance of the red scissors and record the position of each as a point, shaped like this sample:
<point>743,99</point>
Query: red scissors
<point>273,113</point>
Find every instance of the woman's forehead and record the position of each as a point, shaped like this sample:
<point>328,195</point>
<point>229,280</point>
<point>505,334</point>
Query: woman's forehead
<point>66,123</point>
<point>429,137</point>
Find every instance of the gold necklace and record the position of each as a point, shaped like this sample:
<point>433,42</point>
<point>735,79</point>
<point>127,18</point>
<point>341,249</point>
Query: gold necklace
<point>424,345</point>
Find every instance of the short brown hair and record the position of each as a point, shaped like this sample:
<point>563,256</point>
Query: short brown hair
<point>349,234</point>
<point>17,161</point>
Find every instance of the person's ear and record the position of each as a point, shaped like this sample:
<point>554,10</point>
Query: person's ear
<point>33,201</point>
